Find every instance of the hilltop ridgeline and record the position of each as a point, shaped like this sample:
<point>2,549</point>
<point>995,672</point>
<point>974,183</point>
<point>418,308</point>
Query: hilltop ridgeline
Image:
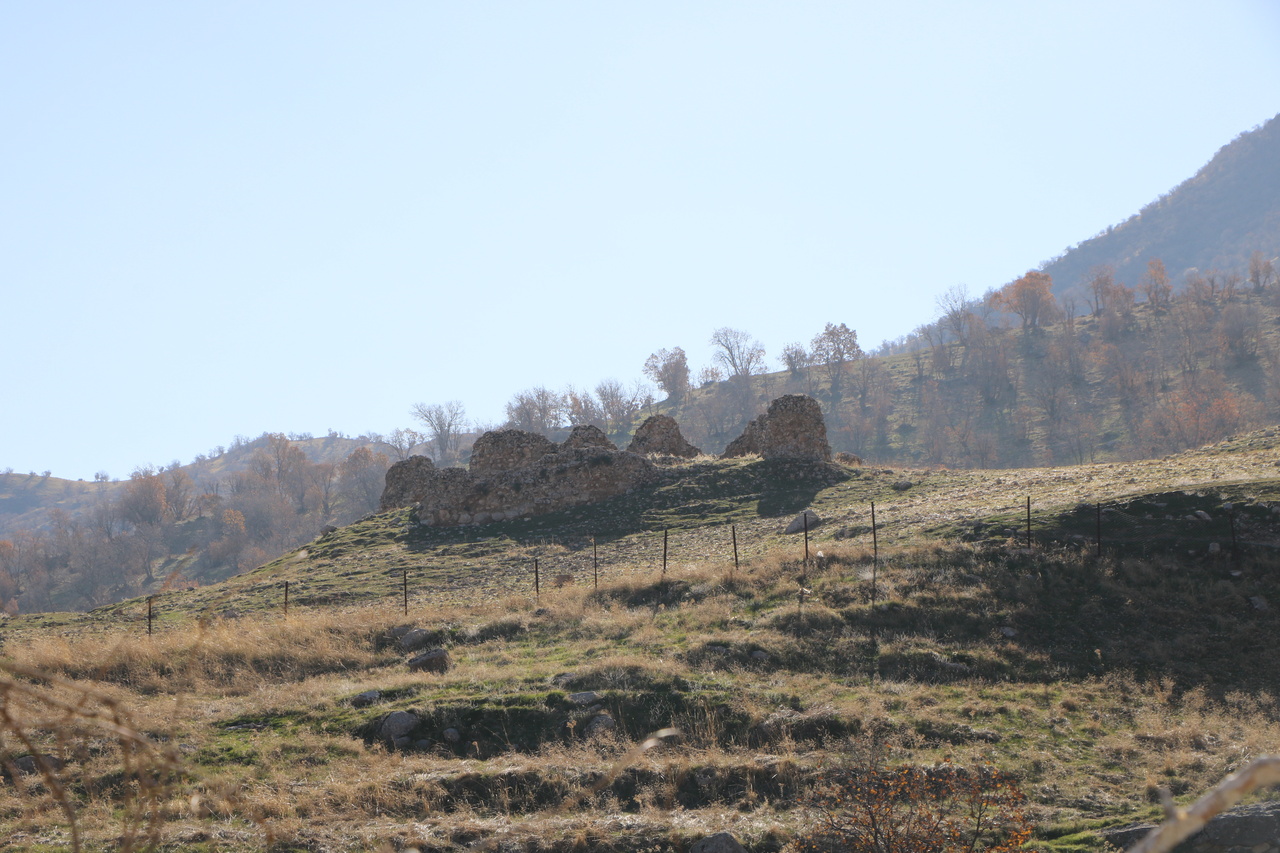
<point>517,474</point>
<point>1208,224</point>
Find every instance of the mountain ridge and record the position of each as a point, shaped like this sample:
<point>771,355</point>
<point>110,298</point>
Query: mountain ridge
<point>1213,220</point>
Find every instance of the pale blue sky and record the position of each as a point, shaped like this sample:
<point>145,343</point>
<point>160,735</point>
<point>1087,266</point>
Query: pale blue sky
<point>224,218</point>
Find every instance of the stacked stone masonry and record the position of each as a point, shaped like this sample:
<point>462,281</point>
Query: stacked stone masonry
<point>517,474</point>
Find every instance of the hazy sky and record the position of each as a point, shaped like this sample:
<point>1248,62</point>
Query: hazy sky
<point>226,218</point>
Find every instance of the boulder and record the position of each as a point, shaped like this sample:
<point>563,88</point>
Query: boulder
<point>407,482</point>
<point>599,726</point>
<point>1244,827</point>
<point>508,450</point>
<point>798,524</point>
<point>436,660</point>
<point>29,764</point>
<point>397,725</point>
<point>365,699</point>
<point>586,435</point>
<point>414,639</point>
<point>660,435</point>
<point>721,842</point>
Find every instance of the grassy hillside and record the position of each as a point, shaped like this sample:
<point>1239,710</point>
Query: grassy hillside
<point>1093,681</point>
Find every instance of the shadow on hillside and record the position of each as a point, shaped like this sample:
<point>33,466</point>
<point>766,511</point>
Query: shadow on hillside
<point>790,487</point>
<point>1051,614</point>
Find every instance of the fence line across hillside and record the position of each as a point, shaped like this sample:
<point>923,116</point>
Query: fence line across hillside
<point>1127,531</point>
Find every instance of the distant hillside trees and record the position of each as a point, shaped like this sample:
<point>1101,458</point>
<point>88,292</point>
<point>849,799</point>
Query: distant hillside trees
<point>161,527</point>
<point>613,408</point>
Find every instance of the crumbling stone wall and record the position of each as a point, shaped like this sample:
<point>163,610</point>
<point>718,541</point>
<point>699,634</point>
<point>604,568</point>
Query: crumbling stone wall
<point>751,440</point>
<point>795,429</point>
<point>407,482</point>
<point>586,435</point>
<point>660,435</point>
<point>792,428</point>
<point>506,449</point>
<point>572,476</point>
<point>516,474</point>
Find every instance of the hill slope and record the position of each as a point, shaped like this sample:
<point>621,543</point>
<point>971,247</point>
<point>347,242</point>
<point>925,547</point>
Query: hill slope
<point>1091,681</point>
<point>1214,220</point>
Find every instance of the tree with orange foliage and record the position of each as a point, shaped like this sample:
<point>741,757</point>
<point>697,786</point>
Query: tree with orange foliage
<point>1155,284</point>
<point>1031,298</point>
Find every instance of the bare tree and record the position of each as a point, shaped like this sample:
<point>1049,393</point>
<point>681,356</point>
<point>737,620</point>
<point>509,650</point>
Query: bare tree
<point>1262,271</point>
<point>1155,284</point>
<point>957,313</point>
<point>402,442</point>
<point>536,410</point>
<point>443,423</point>
<point>739,353</point>
<point>795,358</point>
<point>620,405</point>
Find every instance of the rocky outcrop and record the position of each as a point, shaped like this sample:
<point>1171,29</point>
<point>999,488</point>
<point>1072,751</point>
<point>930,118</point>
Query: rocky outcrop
<point>660,435</point>
<point>586,435</point>
<point>792,428</point>
<point>406,483</point>
<point>508,449</point>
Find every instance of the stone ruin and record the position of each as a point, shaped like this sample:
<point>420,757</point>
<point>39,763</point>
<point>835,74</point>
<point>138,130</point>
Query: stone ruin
<point>517,474</point>
<point>660,435</point>
<point>406,482</point>
<point>792,428</point>
<point>508,449</point>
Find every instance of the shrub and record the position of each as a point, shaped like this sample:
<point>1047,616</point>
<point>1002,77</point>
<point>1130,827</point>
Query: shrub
<point>917,810</point>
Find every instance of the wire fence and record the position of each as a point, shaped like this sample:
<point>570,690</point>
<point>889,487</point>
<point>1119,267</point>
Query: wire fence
<point>1135,527</point>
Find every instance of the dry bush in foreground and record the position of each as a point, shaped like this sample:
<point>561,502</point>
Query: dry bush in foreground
<point>918,810</point>
<point>60,741</point>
